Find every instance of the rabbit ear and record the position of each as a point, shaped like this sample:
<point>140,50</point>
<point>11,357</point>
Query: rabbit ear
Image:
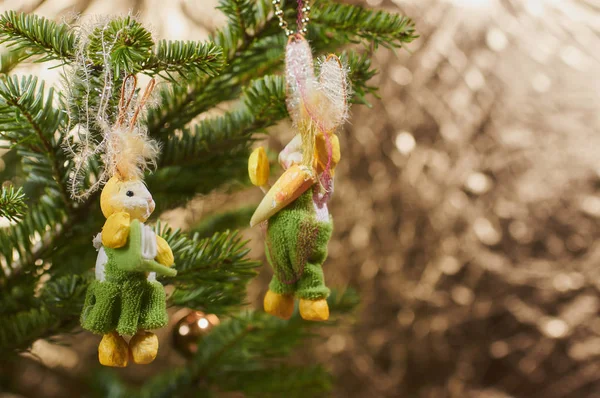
<point>142,103</point>
<point>333,85</point>
<point>129,84</point>
<point>300,77</point>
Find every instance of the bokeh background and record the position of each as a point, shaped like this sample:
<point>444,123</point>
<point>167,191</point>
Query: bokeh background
<point>466,207</point>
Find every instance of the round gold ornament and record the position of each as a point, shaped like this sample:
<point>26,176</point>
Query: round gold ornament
<point>190,329</point>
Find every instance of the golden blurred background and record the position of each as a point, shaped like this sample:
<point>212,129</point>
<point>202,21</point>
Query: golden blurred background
<point>466,206</point>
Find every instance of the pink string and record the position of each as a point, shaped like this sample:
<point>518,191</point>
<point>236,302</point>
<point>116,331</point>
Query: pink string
<point>299,17</point>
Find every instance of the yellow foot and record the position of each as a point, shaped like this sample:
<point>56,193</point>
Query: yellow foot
<point>113,351</point>
<point>279,305</point>
<point>314,310</point>
<point>143,347</point>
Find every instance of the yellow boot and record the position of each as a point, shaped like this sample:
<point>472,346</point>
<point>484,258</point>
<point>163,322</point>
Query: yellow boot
<point>143,347</point>
<point>314,310</point>
<point>279,305</point>
<point>113,351</point>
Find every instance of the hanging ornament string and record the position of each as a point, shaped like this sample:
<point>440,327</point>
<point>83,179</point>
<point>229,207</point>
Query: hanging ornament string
<point>301,19</point>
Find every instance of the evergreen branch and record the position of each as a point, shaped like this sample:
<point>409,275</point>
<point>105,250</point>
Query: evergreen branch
<point>26,113</point>
<point>30,121</point>
<point>283,380</point>
<point>239,13</point>
<point>359,76</point>
<point>37,36</point>
<point>47,220</point>
<point>260,52</point>
<point>185,57</point>
<point>237,218</point>
<point>20,244</point>
<point>377,27</point>
<point>12,203</point>
<point>57,310</point>
<point>212,272</point>
<point>20,330</point>
<point>263,105</point>
<point>9,60</point>
<point>241,353</point>
<point>174,186</point>
<point>181,104</point>
<point>216,150</point>
<point>127,43</point>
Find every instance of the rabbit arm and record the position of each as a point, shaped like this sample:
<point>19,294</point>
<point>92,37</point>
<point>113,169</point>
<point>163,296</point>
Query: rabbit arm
<point>165,254</point>
<point>116,230</point>
<point>292,153</point>
<point>325,147</point>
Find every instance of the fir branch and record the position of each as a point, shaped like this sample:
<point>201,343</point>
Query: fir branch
<point>180,104</point>
<point>185,58</point>
<point>359,76</point>
<point>238,13</point>
<point>284,380</point>
<point>260,51</point>
<point>30,121</point>
<point>263,105</point>
<point>215,150</point>
<point>12,203</point>
<point>355,23</point>
<point>37,35</point>
<point>127,43</point>
<point>9,60</point>
<point>212,272</point>
<point>20,244</point>
<point>241,354</point>
<point>26,113</point>
<point>57,310</point>
<point>237,218</point>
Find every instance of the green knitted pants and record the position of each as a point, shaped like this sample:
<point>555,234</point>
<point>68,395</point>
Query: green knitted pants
<point>296,248</point>
<point>125,301</point>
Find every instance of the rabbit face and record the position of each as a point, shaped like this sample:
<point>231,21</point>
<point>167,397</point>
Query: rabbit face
<point>131,197</point>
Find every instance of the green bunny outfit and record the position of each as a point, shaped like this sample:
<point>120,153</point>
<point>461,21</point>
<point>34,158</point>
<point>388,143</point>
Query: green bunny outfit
<point>126,301</point>
<point>296,248</point>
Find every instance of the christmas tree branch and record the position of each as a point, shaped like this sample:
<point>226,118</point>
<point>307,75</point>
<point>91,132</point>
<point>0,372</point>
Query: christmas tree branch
<point>237,218</point>
<point>44,220</point>
<point>259,52</point>
<point>235,356</point>
<point>37,35</point>
<point>377,27</point>
<point>12,203</point>
<point>29,120</point>
<point>212,272</point>
<point>262,105</point>
<point>9,60</point>
<point>185,58</point>
<point>180,104</point>
<point>56,311</point>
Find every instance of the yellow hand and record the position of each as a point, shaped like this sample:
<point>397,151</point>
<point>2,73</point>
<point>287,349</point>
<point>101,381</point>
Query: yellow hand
<point>322,151</point>
<point>116,230</point>
<point>258,168</point>
<point>165,254</point>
